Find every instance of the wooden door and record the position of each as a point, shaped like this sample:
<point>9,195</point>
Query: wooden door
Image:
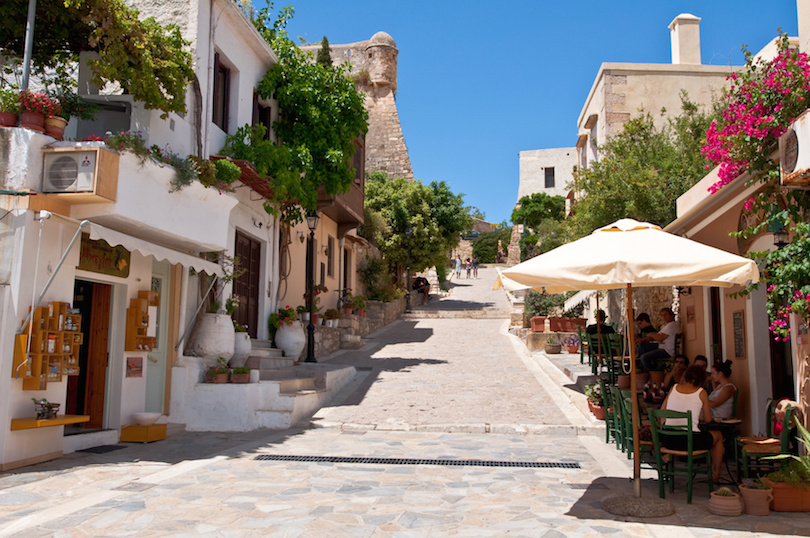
<point>97,354</point>
<point>246,287</point>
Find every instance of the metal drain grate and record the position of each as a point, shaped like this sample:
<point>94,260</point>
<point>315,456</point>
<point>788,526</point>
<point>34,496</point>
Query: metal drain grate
<point>411,461</point>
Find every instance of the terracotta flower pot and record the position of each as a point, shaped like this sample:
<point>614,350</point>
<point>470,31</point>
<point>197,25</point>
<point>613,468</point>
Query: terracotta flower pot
<point>32,120</point>
<point>240,378</point>
<point>573,348</point>
<point>361,312</point>
<point>757,501</point>
<point>55,126</point>
<point>218,378</point>
<point>8,119</point>
<point>623,382</point>
<point>725,505</point>
<point>348,311</point>
<point>598,411</point>
<point>789,498</point>
<point>538,324</point>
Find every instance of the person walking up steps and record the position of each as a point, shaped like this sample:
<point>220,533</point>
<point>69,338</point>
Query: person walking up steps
<point>468,265</point>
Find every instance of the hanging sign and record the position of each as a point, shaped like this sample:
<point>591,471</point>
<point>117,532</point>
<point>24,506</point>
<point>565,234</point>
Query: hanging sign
<point>100,257</point>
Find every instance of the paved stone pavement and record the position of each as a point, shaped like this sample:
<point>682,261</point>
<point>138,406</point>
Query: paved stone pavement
<point>433,389</point>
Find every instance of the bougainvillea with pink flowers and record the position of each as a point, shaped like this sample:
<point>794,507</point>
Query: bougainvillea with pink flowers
<point>762,100</point>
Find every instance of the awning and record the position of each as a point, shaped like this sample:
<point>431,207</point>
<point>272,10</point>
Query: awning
<point>577,299</point>
<point>147,248</point>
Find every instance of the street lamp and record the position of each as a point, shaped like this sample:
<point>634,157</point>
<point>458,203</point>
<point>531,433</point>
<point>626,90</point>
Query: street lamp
<point>312,223</point>
<point>408,270</point>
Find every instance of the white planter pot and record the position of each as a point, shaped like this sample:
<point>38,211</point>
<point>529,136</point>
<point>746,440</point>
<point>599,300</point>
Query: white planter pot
<point>215,337</point>
<point>291,339</point>
<point>241,350</point>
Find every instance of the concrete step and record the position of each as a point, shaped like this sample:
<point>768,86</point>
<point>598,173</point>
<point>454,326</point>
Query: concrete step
<point>434,313</point>
<point>291,386</point>
<point>273,363</point>
<point>256,343</point>
<point>266,352</point>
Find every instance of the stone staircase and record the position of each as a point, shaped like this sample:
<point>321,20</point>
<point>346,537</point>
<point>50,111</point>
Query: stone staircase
<point>265,357</point>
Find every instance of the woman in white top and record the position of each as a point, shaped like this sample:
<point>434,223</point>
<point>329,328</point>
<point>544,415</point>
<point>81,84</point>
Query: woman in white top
<point>721,400</point>
<point>688,396</point>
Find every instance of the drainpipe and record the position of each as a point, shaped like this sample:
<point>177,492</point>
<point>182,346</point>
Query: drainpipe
<point>29,43</point>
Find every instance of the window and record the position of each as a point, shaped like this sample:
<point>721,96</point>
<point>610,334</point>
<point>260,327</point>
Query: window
<point>222,94</point>
<point>261,115</point>
<point>550,177</point>
<point>359,160</point>
<point>330,256</point>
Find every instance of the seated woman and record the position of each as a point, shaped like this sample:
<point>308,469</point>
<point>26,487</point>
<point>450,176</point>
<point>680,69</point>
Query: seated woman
<point>675,375</point>
<point>721,400</point>
<point>689,396</point>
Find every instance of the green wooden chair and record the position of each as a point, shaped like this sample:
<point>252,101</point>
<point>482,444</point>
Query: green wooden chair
<point>668,470</point>
<point>755,452</point>
<point>583,345</point>
<point>595,352</point>
<point>616,398</point>
<point>613,345</point>
<point>611,411</point>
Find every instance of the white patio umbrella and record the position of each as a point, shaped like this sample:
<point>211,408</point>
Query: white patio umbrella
<point>629,253</point>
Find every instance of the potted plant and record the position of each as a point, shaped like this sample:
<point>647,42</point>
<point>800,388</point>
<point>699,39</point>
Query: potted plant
<point>757,496</point>
<point>595,401</point>
<point>725,502</point>
<point>240,374</point>
<point>9,107</point>
<point>791,483</point>
<point>359,302</point>
<point>348,303</point>
<point>289,333</point>
<point>219,372</point>
<point>34,108</point>
<point>332,315</point>
<point>316,306</point>
<point>571,343</point>
<point>552,345</point>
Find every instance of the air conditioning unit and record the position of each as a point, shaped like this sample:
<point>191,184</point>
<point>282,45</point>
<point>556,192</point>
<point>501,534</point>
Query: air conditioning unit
<point>69,172</point>
<point>794,153</point>
<point>80,174</point>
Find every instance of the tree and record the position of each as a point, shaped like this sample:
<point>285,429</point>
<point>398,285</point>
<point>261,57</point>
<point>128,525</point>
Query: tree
<point>485,246</point>
<point>475,212</point>
<point>434,214</point>
<point>146,58</point>
<point>321,113</point>
<point>642,171</point>
<point>324,53</point>
<point>538,207</point>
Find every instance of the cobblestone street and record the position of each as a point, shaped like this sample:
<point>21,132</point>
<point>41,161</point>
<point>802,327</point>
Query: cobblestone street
<point>443,384</point>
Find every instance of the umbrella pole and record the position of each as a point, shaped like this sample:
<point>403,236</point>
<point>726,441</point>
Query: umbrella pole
<point>634,399</point>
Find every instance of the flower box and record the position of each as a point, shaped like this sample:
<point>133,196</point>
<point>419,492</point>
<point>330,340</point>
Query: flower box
<point>789,498</point>
<point>538,324</point>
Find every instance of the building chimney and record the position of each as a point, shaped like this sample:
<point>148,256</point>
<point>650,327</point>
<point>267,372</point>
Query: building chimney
<point>685,35</point>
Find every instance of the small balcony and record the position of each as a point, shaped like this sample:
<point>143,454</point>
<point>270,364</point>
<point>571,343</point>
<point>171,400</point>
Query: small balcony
<point>345,209</point>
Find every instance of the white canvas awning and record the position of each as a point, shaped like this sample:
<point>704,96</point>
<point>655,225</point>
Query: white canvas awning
<point>577,299</point>
<point>147,248</point>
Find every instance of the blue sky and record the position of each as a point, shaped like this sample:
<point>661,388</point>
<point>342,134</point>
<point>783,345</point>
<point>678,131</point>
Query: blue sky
<point>480,81</point>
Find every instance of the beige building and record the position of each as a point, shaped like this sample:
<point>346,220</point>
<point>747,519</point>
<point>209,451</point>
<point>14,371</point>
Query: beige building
<point>622,90</point>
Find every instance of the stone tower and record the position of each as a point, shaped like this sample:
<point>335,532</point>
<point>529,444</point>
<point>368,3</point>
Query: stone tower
<point>374,67</point>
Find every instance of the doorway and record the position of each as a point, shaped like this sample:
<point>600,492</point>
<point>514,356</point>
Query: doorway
<point>86,391</point>
<point>246,286</point>
<point>156,360</point>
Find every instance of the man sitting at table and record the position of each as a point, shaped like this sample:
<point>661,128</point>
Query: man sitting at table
<point>600,325</point>
<point>665,338</point>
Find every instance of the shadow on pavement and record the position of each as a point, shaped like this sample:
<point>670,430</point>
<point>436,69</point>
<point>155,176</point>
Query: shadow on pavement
<point>178,446</point>
<point>374,367</point>
<point>455,304</point>
<point>695,515</point>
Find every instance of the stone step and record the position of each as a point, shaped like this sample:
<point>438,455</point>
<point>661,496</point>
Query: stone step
<point>261,344</point>
<point>301,392</point>
<point>273,363</point>
<point>458,313</point>
<point>266,353</point>
<point>289,386</point>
